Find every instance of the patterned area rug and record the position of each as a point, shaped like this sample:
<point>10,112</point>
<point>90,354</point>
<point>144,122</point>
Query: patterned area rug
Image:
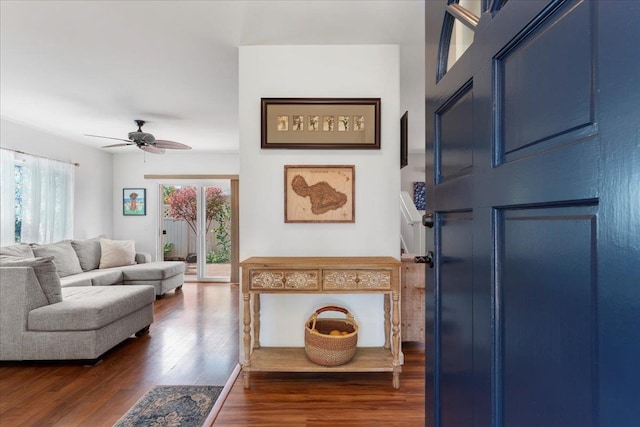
<point>172,405</point>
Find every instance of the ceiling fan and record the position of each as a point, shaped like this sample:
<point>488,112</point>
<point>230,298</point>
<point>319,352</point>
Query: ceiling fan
<point>145,141</point>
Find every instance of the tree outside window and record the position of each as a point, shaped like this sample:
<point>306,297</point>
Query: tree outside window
<point>182,204</point>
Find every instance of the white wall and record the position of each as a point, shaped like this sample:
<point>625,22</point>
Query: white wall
<point>415,171</point>
<point>129,170</point>
<point>93,179</point>
<point>339,71</point>
<point>412,93</point>
<point>412,98</point>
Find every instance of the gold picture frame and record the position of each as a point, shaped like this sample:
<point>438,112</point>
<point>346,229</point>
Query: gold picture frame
<point>314,193</point>
<point>320,123</point>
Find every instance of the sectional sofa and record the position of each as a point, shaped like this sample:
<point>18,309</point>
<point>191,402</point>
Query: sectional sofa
<point>76,299</point>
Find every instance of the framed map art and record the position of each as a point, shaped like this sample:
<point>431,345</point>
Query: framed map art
<point>319,193</point>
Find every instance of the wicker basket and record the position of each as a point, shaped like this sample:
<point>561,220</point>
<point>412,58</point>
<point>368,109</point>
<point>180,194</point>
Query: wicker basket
<point>330,350</point>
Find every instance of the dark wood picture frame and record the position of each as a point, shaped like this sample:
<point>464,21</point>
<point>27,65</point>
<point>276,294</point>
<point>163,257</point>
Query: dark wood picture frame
<point>319,193</point>
<point>404,142</point>
<point>320,123</point>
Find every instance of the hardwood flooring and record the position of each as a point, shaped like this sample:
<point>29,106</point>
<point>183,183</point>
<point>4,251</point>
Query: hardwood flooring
<point>194,340</point>
<point>344,399</point>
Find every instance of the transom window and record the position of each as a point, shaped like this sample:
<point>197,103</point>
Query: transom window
<point>458,29</point>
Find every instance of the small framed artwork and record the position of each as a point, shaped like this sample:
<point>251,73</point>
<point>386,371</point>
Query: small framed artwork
<point>419,195</point>
<point>320,123</point>
<point>319,193</point>
<point>404,143</point>
<point>134,201</point>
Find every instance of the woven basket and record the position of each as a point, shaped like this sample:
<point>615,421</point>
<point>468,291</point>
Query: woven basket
<point>330,350</point>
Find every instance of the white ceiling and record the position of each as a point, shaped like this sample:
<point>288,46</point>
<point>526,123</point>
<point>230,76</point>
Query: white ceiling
<point>91,67</point>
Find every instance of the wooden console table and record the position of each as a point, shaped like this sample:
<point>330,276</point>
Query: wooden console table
<point>321,275</point>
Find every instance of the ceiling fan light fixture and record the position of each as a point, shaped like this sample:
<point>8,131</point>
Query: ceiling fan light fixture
<point>142,137</point>
<point>145,141</point>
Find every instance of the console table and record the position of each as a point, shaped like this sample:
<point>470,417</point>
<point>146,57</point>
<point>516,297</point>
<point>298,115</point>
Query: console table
<point>320,275</point>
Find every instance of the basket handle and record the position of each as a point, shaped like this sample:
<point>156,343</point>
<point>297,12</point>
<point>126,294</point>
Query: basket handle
<point>314,316</point>
<point>332,308</point>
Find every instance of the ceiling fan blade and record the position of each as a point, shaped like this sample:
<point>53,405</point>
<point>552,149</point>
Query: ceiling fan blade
<point>108,137</point>
<point>151,149</point>
<point>160,143</point>
<point>117,145</point>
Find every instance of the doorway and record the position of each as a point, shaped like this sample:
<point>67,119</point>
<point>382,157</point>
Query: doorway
<point>197,224</point>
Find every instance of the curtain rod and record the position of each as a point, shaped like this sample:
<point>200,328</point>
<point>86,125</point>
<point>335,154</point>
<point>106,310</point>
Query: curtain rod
<point>42,157</point>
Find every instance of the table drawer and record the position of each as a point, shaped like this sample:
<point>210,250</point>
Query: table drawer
<point>302,279</point>
<point>284,279</point>
<point>356,279</point>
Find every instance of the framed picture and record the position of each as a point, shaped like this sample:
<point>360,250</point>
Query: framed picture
<point>320,123</point>
<point>319,193</point>
<point>419,195</point>
<point>404,143</point>
<point>134,201</point>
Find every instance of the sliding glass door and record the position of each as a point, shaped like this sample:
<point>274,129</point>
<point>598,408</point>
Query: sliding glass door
<point>196,222</point>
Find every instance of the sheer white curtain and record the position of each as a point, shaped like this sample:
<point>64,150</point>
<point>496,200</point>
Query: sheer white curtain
<point>7,198</point>
<point>47,200</point>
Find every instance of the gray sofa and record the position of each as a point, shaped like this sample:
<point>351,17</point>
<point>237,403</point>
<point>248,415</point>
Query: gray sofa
<point>85,263</point>
<point>51,311</point>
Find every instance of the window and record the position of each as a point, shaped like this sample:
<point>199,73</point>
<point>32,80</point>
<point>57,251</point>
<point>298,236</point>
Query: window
<point>37,199</point>
<point>458,29</point>
<point>17,202</point>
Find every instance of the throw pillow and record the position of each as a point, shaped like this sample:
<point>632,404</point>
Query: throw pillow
<point>64,257</point>
<point>88,252</point>
<point>45,270</point>
<point>22,250</point>
<point>116,253</point>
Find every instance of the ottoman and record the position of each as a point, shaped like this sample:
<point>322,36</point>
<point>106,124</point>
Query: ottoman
<point>162,275</point>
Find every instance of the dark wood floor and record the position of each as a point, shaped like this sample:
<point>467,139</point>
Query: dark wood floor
<point>194,340</point>
<point>337,399</point>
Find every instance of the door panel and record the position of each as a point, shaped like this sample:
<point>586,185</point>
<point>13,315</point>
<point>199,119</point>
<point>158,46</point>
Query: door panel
<point>548,317</point>
<point>456,307</point>
<point>557,54</point>
<point>215,242</point>
<point>536,195</point>
<point>454,135</point>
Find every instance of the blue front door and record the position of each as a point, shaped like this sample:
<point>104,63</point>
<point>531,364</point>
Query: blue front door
<point>533,122</point>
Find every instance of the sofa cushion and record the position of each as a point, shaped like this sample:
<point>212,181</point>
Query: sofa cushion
<point>82,279</point>
<point>22,250</point>
<point>94,278</point>
<point>89,308</point>
<point>63,255</point>
<point>46,273</point>
<point>88,252</point>
<point>142,257</point>
<point>116,253</point>
<point>105,277</point>
<point>159,270</point>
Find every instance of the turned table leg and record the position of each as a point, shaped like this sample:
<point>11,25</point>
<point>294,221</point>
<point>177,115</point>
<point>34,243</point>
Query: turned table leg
<point>387,321</point>
<point>256,320</point>
<point>395,345</point>
<point>246,366</point>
